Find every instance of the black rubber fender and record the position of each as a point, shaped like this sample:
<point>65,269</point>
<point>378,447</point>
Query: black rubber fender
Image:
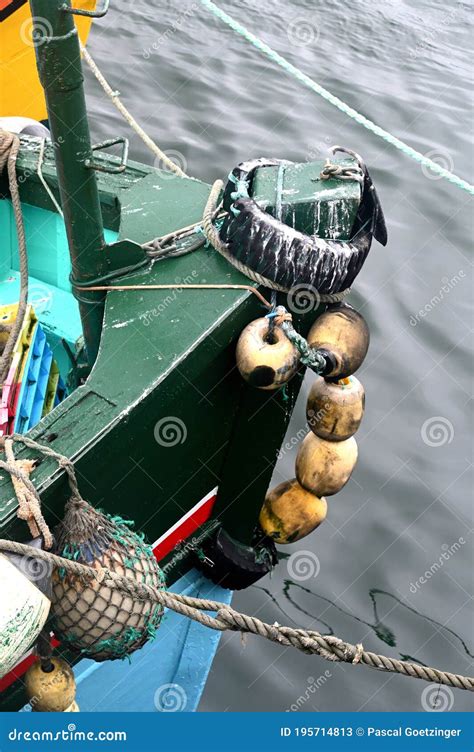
<point>288,257</point>
<point>235,566</point>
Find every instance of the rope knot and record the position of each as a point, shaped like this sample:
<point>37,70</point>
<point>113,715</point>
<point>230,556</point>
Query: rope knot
<point>330,170</point>
<point>344,651</point>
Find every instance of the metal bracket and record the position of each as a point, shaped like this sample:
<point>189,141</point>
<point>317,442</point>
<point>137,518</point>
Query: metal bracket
<point>89,13</point>
<point>105,145</point>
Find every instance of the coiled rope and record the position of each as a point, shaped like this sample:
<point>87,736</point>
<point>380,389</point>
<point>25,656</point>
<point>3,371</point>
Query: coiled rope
<point>226,618</point>
<point>332,99</point>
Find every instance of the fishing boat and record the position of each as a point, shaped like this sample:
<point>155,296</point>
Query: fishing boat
<point>125,360</point>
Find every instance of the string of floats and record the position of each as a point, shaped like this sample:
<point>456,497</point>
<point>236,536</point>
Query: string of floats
<point>226,618</point>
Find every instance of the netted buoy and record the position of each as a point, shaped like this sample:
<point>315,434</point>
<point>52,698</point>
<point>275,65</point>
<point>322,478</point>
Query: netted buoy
<point>324,467</point>
<point>265,356</point>
<point>23,613</point>
<point>334,409</point>
<point>290,512</point>
<point>343,336</point>
<point>51,690</point>
<point>99,621</point>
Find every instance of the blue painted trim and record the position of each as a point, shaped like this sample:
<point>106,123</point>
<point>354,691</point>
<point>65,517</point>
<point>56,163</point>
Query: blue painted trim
<point>168,674</point>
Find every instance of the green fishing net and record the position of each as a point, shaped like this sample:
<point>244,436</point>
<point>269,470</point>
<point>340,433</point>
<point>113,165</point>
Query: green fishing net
<point>92,618</point>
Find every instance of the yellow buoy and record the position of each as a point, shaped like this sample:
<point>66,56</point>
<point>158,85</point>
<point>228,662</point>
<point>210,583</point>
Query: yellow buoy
<point>334,410</point>
<point>344,335</point>
<point>266,358</point>
<point>290,512</point>
<point>51,691</point>
<point>324,467</point>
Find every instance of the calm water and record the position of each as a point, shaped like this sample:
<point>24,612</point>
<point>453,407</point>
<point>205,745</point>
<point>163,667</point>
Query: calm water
<point>211,100</point>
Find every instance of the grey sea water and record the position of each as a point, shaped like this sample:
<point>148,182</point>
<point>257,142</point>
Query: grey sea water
<point>392,565</point>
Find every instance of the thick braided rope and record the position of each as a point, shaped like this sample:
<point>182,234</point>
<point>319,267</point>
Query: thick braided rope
<point>62,461</point>
<point>212,235</point>
<point>9,146</point>
<point>308,641</point>
<point>29,501</point>
<point>325,94</point>
<point>114,97</point>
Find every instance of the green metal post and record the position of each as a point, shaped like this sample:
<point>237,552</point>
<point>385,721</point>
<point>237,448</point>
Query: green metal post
<point>59,67</point>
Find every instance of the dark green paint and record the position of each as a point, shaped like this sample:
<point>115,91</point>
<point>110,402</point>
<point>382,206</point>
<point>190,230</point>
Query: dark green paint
<point>59,67</point>
<point>161,354</point>
<point>314,206</point>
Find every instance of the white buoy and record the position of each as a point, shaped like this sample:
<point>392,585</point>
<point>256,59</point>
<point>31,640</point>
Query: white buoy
<point>23,613</point>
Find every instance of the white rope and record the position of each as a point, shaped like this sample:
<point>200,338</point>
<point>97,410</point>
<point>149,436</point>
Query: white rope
<point>114,96</point>
<point>39,172</point>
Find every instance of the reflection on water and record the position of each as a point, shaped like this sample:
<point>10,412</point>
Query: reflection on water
<point>382,631</point>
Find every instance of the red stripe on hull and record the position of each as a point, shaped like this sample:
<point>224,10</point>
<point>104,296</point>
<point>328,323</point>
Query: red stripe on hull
<point>185,527</point>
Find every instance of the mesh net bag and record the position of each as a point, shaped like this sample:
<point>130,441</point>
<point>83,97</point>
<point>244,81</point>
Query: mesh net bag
<point>92,618</point>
